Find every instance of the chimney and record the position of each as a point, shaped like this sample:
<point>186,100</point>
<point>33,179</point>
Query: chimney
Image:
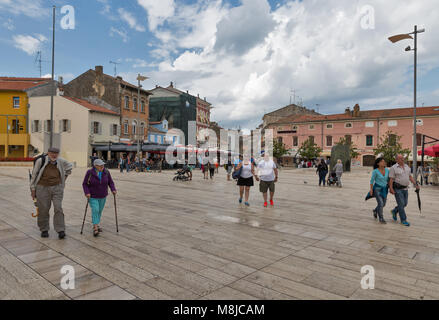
<point>198,96</point>
<point>156,85</point>
<point>187,91</point>
<point>357,110</point>
<point>171,85</point>
<point>119,78</point>
<point>348,111</point>
<point>99,70</point>
<point>205,99</point>
<point>60,80</point>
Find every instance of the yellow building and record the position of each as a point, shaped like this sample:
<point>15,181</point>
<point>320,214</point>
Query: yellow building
<point>14,115</point>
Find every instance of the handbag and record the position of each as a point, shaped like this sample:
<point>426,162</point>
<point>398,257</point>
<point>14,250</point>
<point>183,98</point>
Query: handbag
<point>237,174</point>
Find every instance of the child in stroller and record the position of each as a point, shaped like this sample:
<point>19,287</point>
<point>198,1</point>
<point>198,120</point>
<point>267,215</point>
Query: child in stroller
<point>332,179</point>
<point>183,174</point>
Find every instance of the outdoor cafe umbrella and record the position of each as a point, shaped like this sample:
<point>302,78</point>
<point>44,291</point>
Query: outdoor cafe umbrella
<point>418,191</point>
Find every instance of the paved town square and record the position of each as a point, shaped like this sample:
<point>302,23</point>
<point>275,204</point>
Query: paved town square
<point>193,240</point>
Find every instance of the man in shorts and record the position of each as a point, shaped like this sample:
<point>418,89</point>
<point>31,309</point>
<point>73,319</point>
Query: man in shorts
<point>267,174</point>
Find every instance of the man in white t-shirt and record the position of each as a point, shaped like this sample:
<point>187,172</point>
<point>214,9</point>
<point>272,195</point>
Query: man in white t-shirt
<point>267,173</point>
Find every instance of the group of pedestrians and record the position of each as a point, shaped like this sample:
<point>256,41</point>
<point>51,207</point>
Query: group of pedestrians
<point>322,171</point>
<point>47,184</point>
<point>265,172</point>
<point>395,180</point>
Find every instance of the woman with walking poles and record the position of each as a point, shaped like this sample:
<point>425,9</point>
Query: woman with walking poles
<point>246,171</point>
<point>379,187</point>
<point>96,183</point>
<point>322,170</point>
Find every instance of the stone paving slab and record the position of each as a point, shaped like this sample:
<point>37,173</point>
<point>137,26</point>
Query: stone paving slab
<point>194,241</point>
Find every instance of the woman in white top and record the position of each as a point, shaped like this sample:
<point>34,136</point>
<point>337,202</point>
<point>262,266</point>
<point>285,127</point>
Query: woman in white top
<point>245,181</point>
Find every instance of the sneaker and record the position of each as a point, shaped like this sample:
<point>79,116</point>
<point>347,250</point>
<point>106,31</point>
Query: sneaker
<point>395,218</point>
<point>247,204</point>
<point>61,235</point>
<point>265,204</point>
<point>45,234</point>
<point>271,203</point>
<point>240,200</point>
<point>375,215</point>
<point>405,223</point>
<point>382,221</point>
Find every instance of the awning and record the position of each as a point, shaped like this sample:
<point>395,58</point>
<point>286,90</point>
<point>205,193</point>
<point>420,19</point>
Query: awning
<point>430,151</point>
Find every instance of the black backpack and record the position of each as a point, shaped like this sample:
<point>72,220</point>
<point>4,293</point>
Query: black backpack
<point>43,161</point>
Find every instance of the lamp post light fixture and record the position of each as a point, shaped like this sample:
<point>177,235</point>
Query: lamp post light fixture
<point>139,103</point>
<point>397,38</point>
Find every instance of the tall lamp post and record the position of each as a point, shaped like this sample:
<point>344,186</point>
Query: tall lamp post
<point>397,38</point>
<point>53,75</point>
<point>139,78</point>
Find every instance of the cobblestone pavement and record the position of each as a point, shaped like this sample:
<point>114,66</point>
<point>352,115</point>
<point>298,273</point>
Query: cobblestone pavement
<point>195,241</point>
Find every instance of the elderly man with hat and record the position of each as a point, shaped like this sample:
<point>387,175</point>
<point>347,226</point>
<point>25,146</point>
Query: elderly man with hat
<point>47,185</point>
<point>96,183</point>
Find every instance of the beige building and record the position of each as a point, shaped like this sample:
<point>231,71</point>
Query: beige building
<point>78,126</point>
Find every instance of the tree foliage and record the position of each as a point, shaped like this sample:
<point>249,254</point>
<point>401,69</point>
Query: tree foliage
<point>309,150</point>
<point>352,147</point>
<point>279,149</point>
<point>390,146</point>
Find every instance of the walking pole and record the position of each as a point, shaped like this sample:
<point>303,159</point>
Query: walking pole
<point>115,213</point>
<point>85,213</point>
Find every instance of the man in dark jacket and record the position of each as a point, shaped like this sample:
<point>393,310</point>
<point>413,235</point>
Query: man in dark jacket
<point>95,185</point>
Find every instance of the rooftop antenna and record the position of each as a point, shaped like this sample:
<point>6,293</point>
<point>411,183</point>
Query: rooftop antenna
<point>293,95</point>
<point>38,61</point>
<point>115,67</point>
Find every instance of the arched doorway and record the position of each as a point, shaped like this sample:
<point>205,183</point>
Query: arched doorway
<point>368,160</point>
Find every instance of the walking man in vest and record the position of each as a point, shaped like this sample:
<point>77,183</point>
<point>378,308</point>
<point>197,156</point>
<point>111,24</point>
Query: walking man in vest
<point>47,185</point>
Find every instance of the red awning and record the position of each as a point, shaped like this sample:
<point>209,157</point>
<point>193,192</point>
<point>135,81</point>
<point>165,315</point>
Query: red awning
<point>430,151</point>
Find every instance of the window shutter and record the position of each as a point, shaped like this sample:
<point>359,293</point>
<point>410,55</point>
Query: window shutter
<point>111,130</point>
<point>118,130</point>
<point>46,126</point>
<point>100,128</point>
<point>92,127</point>
<point>69,126</point>
<point>60,126</point>
<point>32,127</point>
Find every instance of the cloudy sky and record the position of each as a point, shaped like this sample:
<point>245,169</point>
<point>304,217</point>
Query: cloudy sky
<point>247,57</point>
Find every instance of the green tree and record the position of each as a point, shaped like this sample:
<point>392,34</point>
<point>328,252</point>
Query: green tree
<point>279,149</point>
<point>353,148</point>
<point>390,146</point>
<point>309,150</point>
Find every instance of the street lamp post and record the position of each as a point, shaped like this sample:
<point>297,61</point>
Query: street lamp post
<point>139,135</point>
<point>397,38</point>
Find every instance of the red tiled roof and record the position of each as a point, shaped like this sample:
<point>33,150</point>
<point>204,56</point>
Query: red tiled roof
<point>369,114</point>
<point>90,106</point>
<point>20,84</point>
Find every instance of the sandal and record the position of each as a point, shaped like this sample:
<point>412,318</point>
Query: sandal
<point>99,229</point>
<point>95,233</point>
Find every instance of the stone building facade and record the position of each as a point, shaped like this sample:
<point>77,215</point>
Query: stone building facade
<point>114,92</point>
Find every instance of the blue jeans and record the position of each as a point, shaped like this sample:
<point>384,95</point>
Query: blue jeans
<point>402,198</point>
<point>381,202</point>
<point>322,177</point>
<point>97,206</point>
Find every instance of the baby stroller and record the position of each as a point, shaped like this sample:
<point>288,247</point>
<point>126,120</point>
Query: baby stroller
<point>332,180</point>
<point>181,175</point>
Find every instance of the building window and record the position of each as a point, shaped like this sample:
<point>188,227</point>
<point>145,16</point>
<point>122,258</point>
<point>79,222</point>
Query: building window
<point>114,129</point>
<point>16,102</point>
<point>47,126</point>
<point>96,127</point>
<point>127,102</point>
<point>295,141</point>
<point>134,130</point>
<point>370,124</point>
<point>294,129</point>
<point>419,139</point>
<point>125,128</point>
<point>329,126</point>
<point>392,123</point>
<point>64,125</point>
<point>329,141</point>
<point>142,106</point>
<point>392,140</point>
<point>135,104</point>
<point>36,126</point>
<point>280,140</point>
<point>348,125</point>
<point>311,138</point>
<point>369,141</point>
<point>311,127</point>
<point>348,139</point>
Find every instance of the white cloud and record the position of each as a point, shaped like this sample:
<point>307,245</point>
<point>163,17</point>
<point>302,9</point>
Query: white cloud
<point>321,51</point>
<point>121,33</point>
<point>30,8</point>
<point>158,11</point>
<point>29,44</point>
<point>130,19</point>
<point>9,24</point>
